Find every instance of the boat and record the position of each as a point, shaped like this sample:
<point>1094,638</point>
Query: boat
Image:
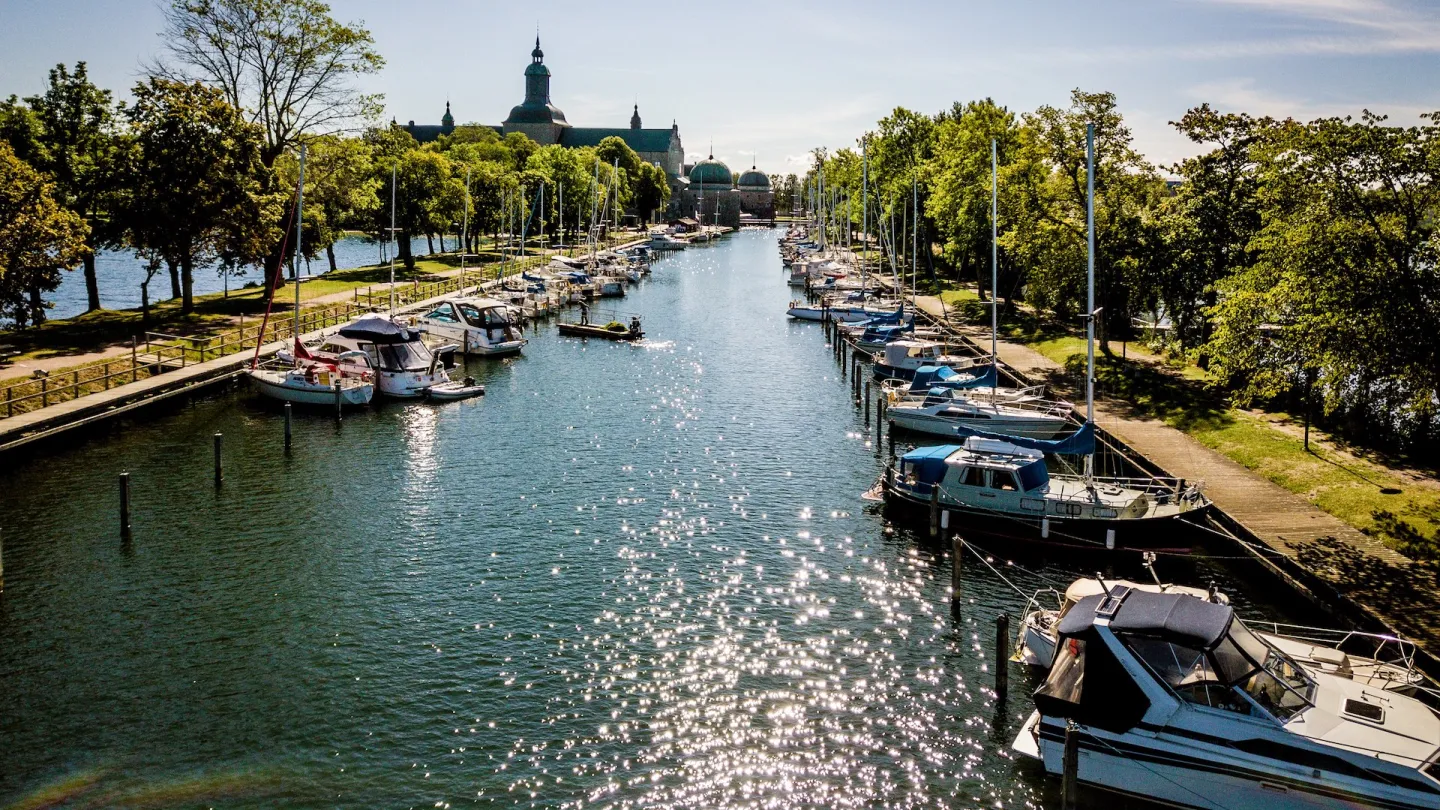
<point>451,390</point>
<point>314,384</point>
<point>664,241</point>
<point>404,367</point>
<point>1035,644</point>
<point>610,286</point>
<point>1174,699</point>
<point>942,409</point>
<point>902,358</point>
<point>481,326</point>
<point>308,383</point>
<point>613,330</point>
<point>845,313</point>
<point>1001,485</point>
<point>634,275</point>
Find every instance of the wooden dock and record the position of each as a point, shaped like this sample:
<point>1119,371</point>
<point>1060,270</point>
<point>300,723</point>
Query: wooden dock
<point>1342,566</point>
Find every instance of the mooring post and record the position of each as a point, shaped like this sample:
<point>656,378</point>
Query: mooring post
<point>2,564</point>
<point>867,403</point>
<point>957,569</point>
<point>1002,655</point>
<point>337,399</point>
<point>935,510</point>
<point>879,424</point>
<point>125,504</point>
<point>287,427</point>
<point>219,465</point>
<point>1070,768</point>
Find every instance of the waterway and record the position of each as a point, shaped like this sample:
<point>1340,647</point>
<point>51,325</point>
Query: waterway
<point>628,576</point>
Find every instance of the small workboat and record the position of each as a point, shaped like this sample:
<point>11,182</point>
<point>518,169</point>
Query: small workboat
<point>451,390</point>
<point>614,330</point>
<point>1173,699</point>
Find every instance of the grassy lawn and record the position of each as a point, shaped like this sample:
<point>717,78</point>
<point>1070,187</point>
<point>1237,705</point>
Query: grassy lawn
<point>1401,509</point>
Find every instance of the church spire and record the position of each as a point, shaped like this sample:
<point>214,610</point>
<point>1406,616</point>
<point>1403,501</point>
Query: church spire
<point>635,117</point>
<point>537,55</point>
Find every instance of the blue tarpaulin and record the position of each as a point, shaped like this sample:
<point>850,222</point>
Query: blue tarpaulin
<point>928,377</point>
<point>1081,442</point>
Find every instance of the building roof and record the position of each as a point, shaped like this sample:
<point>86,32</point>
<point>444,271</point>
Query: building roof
<point>711,172</point>
<point>754,179</point>
<point>641,140</point>
<point>530,113</point>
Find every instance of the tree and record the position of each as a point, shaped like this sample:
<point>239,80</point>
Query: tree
<point>651,190</point>
<point>287,64</point>
<point>78,149</point>
<point>38,236</point>
<point>195,179</point>
<point>20,128</point>
<point>1212,217</point>
<point>960,184</point>
<point>341,189</point>
<point>428,197</point>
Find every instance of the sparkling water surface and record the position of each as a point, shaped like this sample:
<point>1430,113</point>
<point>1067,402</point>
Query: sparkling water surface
<point>629,576</point>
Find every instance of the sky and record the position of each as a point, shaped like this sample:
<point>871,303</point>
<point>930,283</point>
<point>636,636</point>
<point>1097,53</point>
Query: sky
<point>766,82</point>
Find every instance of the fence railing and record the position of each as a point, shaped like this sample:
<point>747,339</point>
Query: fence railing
<point>157,353</point>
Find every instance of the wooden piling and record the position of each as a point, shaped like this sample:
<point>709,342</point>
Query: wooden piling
<point>957,569</point>
<point>337,398</point>
<point>867,403</point>
<point>2,564</point>
<point>1070,769</point>
<point>287,427</point>
<point>1002,655</point>
<point>219,465</point>
<point>125,504</point>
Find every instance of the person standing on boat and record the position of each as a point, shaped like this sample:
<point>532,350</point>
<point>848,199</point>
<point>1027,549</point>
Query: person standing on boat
<point>584,314</point>
<point>634,324</point>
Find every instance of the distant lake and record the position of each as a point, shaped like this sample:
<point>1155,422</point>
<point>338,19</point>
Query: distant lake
<point>120,272</point>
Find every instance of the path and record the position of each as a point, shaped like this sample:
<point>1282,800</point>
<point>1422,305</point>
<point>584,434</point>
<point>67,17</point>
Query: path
<point>1385,584</point>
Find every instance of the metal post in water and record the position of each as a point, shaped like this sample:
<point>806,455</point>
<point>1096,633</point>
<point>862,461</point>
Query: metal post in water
<point>125,504</point>
<point>219,465</point>
<point>337,399</point>
<point>287,427</point>
<point>879,422</point>
<point>867,401</point>
<point>2,564</point>
<point>1002,655</point>
<point>1070,769</point>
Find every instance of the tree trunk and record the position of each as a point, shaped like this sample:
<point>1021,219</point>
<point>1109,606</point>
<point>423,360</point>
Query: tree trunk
<point>330,254</point>
<point>92,286</point>
<point>404,253</point>
<point>187,272</point>
<point>430,244</point>
<point>174,277</point>
<point>37,306</point>
<point>442,241</point>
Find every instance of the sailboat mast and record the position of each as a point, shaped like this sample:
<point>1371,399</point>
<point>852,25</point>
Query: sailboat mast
<point>394,171</point>
<point>915,240</point>
<point>1090,279</point>
<point>864,205</point>
<point>465,229</point>
<point>994,256</point>
<point>299,210</point>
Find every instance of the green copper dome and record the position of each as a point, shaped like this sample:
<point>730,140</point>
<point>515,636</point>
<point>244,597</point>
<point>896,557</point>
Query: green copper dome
<point>710,172</point>
<point>754,180</point>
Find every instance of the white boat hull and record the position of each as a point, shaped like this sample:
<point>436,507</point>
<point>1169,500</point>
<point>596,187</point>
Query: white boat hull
<point>281,386</point>
<point>1010,425</point>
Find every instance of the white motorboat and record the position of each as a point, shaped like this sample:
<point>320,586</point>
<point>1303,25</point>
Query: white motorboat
<point>404,367</point>
<point>314,384</point>
<point>610,286</point>
<point>1001,485</point>
<point>1035,644</point>
<point>940,410</point>
<point>482,326</point>
<point>802,311</point>
<point>1173,699</point>
<point>664,241</point>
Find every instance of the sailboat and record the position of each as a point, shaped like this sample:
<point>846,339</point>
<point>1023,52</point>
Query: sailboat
<point>309,383</point>
<point>1001,483</point>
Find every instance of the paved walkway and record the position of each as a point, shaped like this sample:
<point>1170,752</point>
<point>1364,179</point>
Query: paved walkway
<point>1387,585</point>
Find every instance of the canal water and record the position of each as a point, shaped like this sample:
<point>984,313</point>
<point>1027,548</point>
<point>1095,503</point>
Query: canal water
<point>628,576</point>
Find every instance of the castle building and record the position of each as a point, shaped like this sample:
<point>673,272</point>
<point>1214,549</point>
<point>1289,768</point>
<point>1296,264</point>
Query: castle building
<point>539,119</point>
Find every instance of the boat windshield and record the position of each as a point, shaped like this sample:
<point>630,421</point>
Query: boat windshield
<point>1216,680</point>
<point>489,317</point>
<point>412,356</point>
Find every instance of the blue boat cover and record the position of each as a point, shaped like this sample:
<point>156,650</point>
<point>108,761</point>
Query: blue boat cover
<point>929,377</point>
<point>927,464</point>
<point>1081,442</point>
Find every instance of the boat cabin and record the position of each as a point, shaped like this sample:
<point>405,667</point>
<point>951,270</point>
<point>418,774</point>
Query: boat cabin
<point>996,467</point>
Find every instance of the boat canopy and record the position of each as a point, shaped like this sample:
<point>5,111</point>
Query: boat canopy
<point>927,464</point>
<point>1174,617</point>
<point>933,377</point>
<point>577,277</point>
<point>1081,442</point>
<point>876,332</point>
<point>377,329</point>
